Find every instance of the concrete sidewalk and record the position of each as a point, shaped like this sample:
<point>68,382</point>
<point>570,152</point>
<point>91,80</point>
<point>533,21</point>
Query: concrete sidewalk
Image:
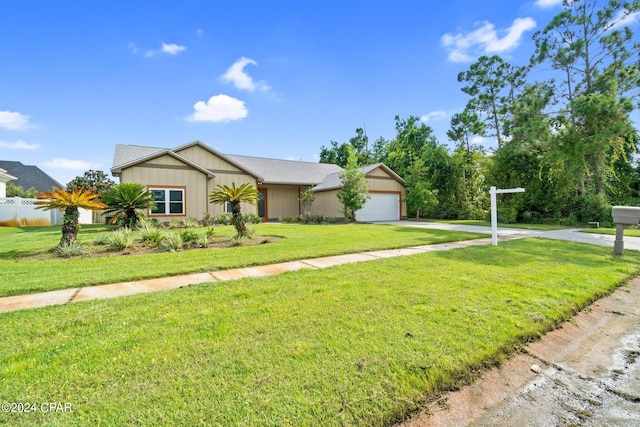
<point>65,296</point>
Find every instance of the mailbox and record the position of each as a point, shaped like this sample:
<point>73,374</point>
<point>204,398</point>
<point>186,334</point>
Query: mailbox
<point>627,215</point>
<point>623,216</point>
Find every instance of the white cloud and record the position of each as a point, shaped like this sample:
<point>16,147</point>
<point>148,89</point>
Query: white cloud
<point>167,48</point>
<point>172,48</point>
<point>434,115</point>
<point>219,108</point>
<point>14,121</point>
<point>18,145</point>
<point>236,75</point>
<point>478,139</point>
<point>59,163</point>
<point>621,21</point>
<point>485,39</point>
<point>545,4</point>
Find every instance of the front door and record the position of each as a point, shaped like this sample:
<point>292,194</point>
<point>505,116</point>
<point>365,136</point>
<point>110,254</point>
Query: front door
<point>262,203</point>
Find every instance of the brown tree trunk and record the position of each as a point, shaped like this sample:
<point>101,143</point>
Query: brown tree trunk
<point>70,226</point>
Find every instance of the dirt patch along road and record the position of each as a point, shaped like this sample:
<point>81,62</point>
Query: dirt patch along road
<point>586,373</point>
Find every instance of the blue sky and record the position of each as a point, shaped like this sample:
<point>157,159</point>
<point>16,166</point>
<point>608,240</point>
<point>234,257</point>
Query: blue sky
<point>261,78</point>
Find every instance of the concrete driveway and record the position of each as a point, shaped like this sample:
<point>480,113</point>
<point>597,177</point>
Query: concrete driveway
<point>569,234</point>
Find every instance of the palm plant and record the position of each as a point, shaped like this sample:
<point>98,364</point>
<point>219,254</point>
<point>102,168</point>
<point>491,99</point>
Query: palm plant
<point>123,201</point>
<point>69,202</point>
<point>234,196</point>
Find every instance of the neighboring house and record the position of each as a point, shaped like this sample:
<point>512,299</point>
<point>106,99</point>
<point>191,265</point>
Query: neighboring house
<point>29,176</point>
<point>183,177</point>
<point>4,178</point>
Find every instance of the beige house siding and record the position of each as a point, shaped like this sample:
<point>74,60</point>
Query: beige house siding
<point>208,160</point>
<point>327,204</point>
<point>283,200</point>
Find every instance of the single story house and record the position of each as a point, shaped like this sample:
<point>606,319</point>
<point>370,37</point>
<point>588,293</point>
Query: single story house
<point>4,178</point>
<point>182,178</point>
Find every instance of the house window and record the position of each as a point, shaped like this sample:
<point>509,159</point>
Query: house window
<point>227,208</point>
<point>169,201</point>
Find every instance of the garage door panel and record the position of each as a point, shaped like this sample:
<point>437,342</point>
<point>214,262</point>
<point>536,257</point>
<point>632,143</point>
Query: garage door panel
<point>380,207</point>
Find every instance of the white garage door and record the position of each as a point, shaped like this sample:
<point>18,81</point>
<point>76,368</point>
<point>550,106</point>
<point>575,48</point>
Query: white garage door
<point>380,207</point>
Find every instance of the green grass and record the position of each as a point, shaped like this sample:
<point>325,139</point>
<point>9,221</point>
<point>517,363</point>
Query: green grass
<point>631,232</point>
<point>21,273</point>
<point>359,344</point>
<point>542,227</point>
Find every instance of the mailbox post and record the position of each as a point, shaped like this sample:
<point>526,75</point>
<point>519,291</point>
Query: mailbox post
<point>494,209</point>
<point>623,217</point>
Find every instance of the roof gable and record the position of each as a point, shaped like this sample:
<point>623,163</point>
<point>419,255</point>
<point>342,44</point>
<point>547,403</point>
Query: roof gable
<point>225,157</point>
<point>131,155</point>
<point>28,176</point>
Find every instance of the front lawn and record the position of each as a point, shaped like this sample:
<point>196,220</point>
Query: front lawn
<point>542,227</point>
<point>631,232</point>
<point>359,344</point>
<point>21,272</point>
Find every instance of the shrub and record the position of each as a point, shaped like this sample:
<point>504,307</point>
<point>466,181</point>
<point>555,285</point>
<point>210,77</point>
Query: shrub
<point>190,223</point>
<point>236,240</point>
<point>202,241</point>
<point>188,235</point>
<point>153,236</point>
<point>252,218</point>
<point>210,232</point>
<point>222,219</point>
<point>172,242</point>
<point>207,220</point>
<point>332,220</point>
<point>70,249</point>
<point>175,223</point>
<point>101,240</point>
<point>121,239</point>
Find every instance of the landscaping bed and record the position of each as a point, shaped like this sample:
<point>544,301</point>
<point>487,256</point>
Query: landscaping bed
<point>28,264</point>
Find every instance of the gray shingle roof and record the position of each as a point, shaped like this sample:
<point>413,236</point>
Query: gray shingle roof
<point>269,171</point>
<point>275,171</point>
<point>124,154</point>
<point>29,176</point>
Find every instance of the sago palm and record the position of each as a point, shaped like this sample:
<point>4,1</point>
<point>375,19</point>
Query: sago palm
<point>69,202</point>
<point>123,201</point>
<point>235,195</point>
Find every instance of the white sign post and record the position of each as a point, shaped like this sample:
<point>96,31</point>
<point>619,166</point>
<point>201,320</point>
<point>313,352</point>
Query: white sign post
<point>494,209</point>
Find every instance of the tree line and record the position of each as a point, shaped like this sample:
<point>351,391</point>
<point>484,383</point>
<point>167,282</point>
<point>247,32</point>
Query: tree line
<point>561,125</point>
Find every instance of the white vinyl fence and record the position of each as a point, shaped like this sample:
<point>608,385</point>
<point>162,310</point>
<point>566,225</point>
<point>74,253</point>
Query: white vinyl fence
<point>16,211</point>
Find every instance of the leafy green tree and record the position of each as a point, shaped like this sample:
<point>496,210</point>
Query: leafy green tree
<point>14,190</point>
<point>355,188</point>
<point>246,193</point>
<point>124,200</point>
<point>306,199</point>
<point>464,126</point>
<point>94,180</point>
<point>338,154</point>
<point>69,202</point>
<point>596,83</point>
<point>492,84</point>
<point>420,195</point>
